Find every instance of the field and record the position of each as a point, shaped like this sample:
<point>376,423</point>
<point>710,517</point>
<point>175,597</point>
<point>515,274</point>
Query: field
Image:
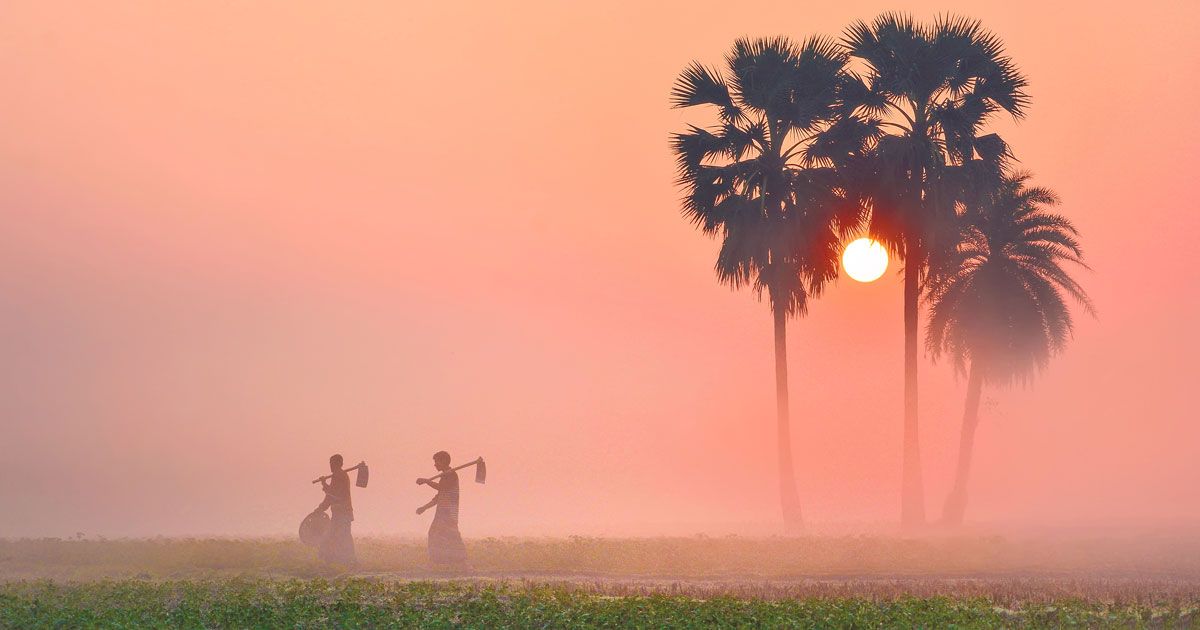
<point>819,582</point>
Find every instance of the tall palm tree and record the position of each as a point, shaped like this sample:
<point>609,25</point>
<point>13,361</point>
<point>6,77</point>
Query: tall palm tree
<point>934,87</point>
<point>998,308</point>
<point>756,180</point>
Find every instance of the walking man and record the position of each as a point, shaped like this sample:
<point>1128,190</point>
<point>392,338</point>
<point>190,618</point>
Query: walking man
<point>445,542</point>
<point>338,546</point>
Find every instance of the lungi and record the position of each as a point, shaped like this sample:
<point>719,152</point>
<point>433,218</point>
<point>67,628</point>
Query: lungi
<point>445,542</point>
<point>338,546</point>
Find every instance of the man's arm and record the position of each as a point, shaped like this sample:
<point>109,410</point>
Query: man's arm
<point>332,495</point>
<point>432,502</point>
<point>427,482</point>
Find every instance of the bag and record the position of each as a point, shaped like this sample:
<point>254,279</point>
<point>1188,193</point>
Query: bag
<point>313,528</point>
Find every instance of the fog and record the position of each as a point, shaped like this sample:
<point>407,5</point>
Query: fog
<point>238,238</point>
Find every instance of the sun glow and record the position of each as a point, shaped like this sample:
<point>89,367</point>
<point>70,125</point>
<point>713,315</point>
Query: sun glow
<point>865,260</point>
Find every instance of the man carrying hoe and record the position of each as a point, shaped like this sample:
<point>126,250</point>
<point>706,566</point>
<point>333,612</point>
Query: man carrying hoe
<point>338,545</point>
<point>445,543</point>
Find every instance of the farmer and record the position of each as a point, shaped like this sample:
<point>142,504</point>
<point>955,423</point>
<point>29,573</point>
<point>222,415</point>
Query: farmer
<point>445,543</point>
<point>338,546</point>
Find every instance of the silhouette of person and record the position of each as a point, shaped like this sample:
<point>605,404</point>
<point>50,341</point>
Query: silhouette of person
<point>445,542</point>
<point>338,546</point>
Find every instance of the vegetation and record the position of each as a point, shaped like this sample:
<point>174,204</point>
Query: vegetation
<point>751,181</point>
<point>827,582</point>
<point>725,559</point>
<point>883,132</point>
<point>999,304</point>
<point>258,603</point>
<point>934,88</point>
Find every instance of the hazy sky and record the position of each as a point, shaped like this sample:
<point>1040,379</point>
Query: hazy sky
<point>238,237</point>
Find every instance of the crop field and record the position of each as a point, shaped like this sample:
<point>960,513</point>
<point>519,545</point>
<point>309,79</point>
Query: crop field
<point>359,602</point>
<point>826,582</point>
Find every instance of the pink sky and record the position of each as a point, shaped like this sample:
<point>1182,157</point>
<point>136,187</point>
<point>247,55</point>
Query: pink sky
<point>238,237</point>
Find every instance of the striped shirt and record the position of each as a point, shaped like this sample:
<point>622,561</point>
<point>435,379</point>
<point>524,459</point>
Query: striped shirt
<point>447,498</point>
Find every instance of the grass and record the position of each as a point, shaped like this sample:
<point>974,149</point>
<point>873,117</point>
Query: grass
<point>697,557</point>
<point>358,602</point>
<point>852,581</point>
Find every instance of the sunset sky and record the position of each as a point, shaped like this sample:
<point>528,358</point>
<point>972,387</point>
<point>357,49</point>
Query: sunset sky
<point>239,237</point>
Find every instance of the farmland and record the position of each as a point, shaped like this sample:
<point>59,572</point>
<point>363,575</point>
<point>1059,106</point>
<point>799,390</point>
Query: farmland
<point>859,581</point>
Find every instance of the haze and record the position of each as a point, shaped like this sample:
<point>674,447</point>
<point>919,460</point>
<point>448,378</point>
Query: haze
<point>239,237</point>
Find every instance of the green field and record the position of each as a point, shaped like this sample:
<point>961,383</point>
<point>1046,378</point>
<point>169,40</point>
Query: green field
<point>359,602</point>
<point>858,582</point>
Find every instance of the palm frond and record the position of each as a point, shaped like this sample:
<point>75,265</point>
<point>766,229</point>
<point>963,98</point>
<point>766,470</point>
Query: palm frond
<point>998,302</point>
<point>763,179</point>
<point>698,85</point>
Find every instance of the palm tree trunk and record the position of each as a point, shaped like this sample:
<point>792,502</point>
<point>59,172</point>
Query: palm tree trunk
<point>788,496</point>
<point>956,501</point>
<point>912,498</point>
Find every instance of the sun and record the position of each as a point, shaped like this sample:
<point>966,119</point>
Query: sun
<point>865,260</point>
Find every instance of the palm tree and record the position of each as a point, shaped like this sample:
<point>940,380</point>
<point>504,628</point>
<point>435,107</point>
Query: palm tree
<point>757,181</point>
<point>934,87</point>
<point>998,308</point>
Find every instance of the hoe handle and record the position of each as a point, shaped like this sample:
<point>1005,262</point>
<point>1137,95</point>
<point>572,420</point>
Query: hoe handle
<point>355,467</point>
<point>458,467</point>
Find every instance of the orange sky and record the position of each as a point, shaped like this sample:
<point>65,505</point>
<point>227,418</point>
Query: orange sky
<point>240,236</point>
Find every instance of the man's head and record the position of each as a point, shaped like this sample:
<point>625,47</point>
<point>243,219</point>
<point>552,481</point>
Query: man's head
<point>335,463</point>
<point>441,460</point>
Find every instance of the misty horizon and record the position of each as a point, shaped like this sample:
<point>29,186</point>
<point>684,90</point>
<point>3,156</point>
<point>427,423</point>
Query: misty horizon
<point>233,247</point>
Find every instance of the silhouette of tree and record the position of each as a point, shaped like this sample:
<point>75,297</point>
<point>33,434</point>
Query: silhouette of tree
<point>932,89</point>
<point>760,181</point>
<point>998,302</point>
